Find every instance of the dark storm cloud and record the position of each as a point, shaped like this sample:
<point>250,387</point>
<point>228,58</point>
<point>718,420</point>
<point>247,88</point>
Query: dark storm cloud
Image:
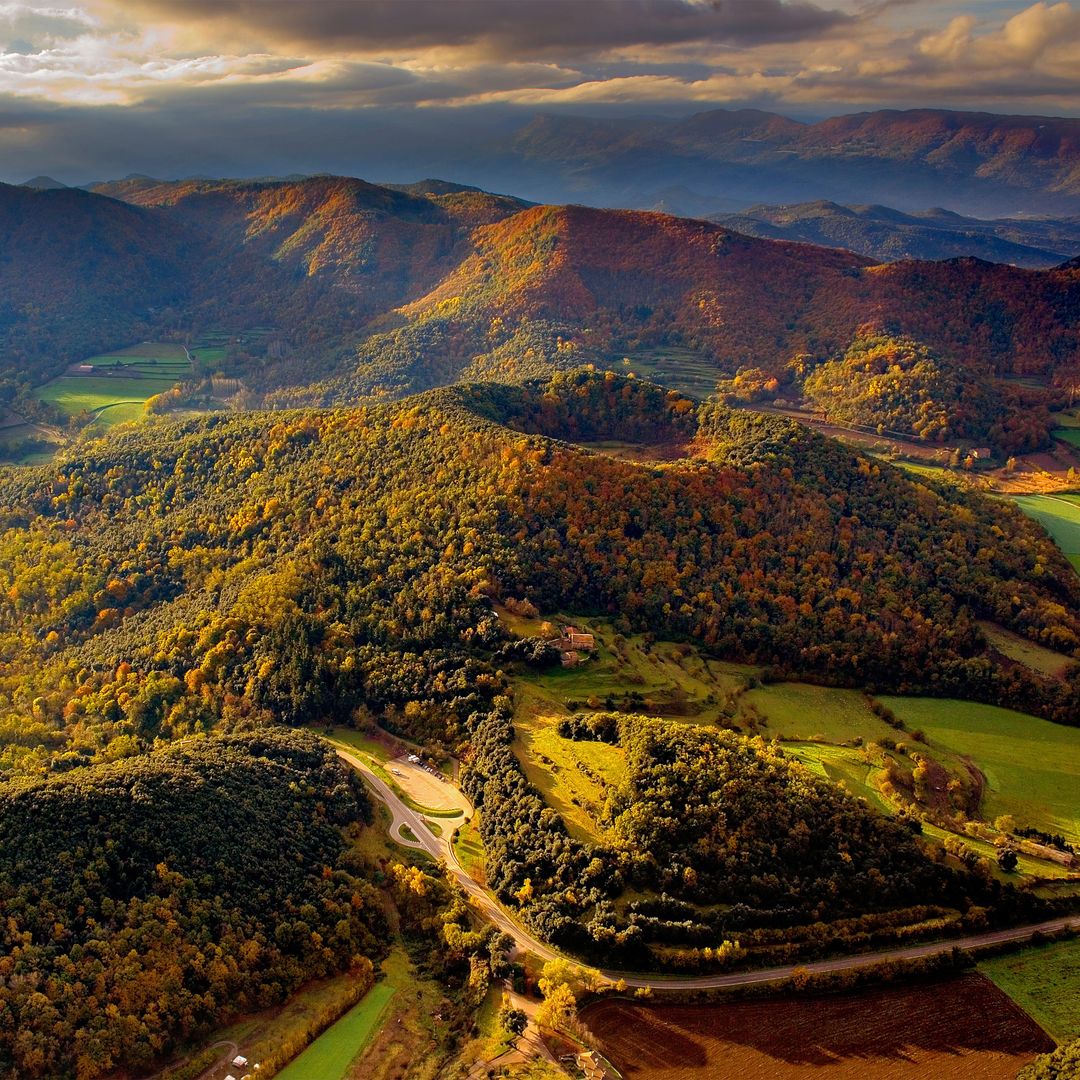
<point>511,28</point>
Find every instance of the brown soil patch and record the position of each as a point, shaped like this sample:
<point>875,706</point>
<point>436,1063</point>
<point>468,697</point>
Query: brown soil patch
<point>964,1028</point>
<point>426,789</point>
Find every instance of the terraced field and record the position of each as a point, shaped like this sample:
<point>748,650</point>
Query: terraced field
<point>120,383</point>
<point>692,373</point>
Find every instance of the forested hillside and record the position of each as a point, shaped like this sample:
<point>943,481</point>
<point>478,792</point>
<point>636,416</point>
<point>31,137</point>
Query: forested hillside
<point>153,579</point>
<point>147,899</point>
<point>244,569</point>
<point>78,274</point>
<point>362,291</point>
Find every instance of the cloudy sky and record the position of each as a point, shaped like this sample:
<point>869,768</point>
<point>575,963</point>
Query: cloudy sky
<point>96,88</point>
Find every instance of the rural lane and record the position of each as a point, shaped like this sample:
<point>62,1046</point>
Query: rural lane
<point>441,849</point>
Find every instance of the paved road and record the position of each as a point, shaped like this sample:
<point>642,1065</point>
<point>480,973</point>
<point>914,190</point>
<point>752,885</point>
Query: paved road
<point>440,848</point>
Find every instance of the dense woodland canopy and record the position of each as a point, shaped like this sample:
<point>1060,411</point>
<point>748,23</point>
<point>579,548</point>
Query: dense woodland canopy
<point>899,385</point>
<point>148,899</point>
<point>240,570</point>
<point>153,579</point>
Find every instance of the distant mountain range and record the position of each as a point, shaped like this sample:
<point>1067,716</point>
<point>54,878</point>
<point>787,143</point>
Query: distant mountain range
<point>973,163</point>
<point>887,235</point>
<point>721,161</point>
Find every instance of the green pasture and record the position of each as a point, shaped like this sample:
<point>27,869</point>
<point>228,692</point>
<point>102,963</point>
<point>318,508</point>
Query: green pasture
<point>137,373</point>
<point>75,394</point>
<point>469,848</point>
<point>664,678</point>
<point>819,713</point>
<point>1045,982</point>
<point>210,354</point>
<point>1031,766</point>
<point>330,1055</point>
<point>572,776</point>
<point>842,765</point>
<point>1059,515</point>
<point>358,740</point>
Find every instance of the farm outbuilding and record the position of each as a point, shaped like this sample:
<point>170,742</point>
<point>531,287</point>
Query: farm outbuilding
<point>572,644</point>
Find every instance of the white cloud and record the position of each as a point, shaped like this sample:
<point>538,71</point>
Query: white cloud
<point>883,52</point>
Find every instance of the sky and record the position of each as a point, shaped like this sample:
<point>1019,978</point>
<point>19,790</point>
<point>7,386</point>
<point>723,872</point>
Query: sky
<point>92,89</point>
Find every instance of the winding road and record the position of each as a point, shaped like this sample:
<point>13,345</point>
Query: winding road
<point>441,848</point>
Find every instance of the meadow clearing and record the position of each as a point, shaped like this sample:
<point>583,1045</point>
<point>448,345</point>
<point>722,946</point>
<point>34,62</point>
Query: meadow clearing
<point>1059,515</point>
<point>1043,981</point>
<point>1014,764</point>
<point>1031,766</point>
<point>692,373</point>
<point>120,383</point>
<point>331,1054</point>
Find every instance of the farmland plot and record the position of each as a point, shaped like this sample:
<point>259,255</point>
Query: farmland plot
<point>964,1028</point>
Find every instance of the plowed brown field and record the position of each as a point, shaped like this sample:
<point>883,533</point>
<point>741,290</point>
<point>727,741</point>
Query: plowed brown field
<point>962,1029</point>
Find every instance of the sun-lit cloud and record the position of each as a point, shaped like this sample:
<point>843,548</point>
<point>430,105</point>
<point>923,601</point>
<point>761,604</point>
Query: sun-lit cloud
<point>259,59</point>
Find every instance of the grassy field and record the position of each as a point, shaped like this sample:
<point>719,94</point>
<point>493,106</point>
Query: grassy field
<point>469,848</point>
<point>331,1054</point>
<point>573,776</point>
<point>664,678</point>
<point>75,394</point>
<point>1040,659</point>
<point>263,1034</point>
<point>151,356</point>
<point>138,373</point>
<point>413,1033</point>
<point>1044,982</point>
<point>210,355</point>
<point>693,373</point>
<point>1032,767</point>
<point>1059,515</point>
<point>820,713</point>
<point>842,765</point>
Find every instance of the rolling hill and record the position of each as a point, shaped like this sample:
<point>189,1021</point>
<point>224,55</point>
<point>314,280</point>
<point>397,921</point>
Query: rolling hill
<point>887,235</point>
<point>79,274</point>
<point>370,290</point>
<point>229,571</point>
